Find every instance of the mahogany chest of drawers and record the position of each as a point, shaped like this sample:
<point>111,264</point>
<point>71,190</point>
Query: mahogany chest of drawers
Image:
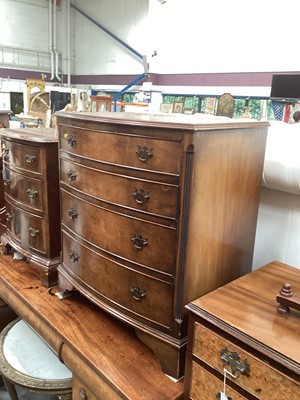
<point>237,327</point>
<point>31,182</point>
<point>156,210</point>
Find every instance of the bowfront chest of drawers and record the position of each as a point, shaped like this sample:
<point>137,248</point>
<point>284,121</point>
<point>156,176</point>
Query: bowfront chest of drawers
<point>156,210</point>
<point>31,182</point>
<point>237,327</point>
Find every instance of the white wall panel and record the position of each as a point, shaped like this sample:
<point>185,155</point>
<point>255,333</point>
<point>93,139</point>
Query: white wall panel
<point>96,51</point>
<point>189,36</point>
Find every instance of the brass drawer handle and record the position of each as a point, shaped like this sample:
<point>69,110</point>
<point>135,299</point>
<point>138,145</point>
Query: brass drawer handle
<point>140,196</point>
<point>144,153</point>
<point>139,241</point>
<point>5,152</point>
<point>33,232</point>
<point>30,159</point>
<point>71,139</point>
<point>73,256</point>
<point>73,214</point>
<point>8,216</point>
<point>6,182</point>
<point>71,175</point>
<point>237,365</point>
<point>83,394</point>
<point>32,194</point>
<point>137,293</point>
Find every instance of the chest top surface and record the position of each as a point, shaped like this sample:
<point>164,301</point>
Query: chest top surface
<point>195,122</point>
<point>39,135</point>
<point>247,307</point>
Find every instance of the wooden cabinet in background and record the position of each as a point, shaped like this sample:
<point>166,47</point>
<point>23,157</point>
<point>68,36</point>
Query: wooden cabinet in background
<point>237,327</point>
<point>30,176</point>
<point>101,103</point>
<point>156,211</point>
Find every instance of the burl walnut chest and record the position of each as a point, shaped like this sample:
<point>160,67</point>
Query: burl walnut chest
<point>31,186</point>
<point>237,328</point>
<point>156,210</point>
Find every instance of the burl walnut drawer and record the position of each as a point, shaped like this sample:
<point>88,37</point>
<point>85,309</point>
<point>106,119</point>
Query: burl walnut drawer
<point>143,195</point>
<point>138,293</point>
<point>25,190</point>
<point>123,149</point>
<point>205,386</point>
<point>261,380</point>
<point>141,241</point>
<point>20,156</point>
<point>28,229</point>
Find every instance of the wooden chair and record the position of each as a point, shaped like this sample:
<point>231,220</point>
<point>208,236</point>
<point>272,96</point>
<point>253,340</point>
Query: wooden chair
<point>26,361</point>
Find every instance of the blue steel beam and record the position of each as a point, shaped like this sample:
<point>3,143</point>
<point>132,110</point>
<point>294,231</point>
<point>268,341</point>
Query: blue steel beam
<point>137,79</point>
<point>107,31</point>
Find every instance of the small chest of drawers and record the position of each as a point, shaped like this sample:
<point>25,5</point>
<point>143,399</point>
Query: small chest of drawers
<point>30,176</point>
<point>237,327</point>
<point>155,210</point>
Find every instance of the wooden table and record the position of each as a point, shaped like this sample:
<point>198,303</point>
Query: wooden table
<point>108,361</point>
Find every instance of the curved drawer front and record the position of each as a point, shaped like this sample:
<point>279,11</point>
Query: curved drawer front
<point>27,229</point>
<point>22,156</point>
<point>152,197</point>
<point>148,297</point>
<point>140,241</point>
<point>23,189</point>
<point>122,149</point>
<point>262,378</point>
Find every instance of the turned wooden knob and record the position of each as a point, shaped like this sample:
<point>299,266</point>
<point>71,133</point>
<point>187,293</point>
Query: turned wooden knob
<point>286,290</point>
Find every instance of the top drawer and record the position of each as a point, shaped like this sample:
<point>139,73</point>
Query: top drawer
<point>260,379</point>
<point>123,149</point>
<point>20,156</point>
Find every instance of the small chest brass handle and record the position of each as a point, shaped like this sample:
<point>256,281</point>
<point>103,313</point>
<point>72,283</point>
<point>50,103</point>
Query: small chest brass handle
<point>144,153</point>
<point>73,214</point>
<point>73,256</point>
<point>9,216</point>
<point>6,182</point>
<point>137,293</point>
<point>71,139</point>
<point>33,232</point>
<point>32,194</point>
<point>30,159</point>
<point>71,175</point>
<point>141,196</point>
<point>139,241</point>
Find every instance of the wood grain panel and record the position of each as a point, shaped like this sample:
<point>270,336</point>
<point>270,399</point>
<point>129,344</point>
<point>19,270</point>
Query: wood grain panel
<point>121,149</point>
<point>119,189</point>
<point>118,230</point>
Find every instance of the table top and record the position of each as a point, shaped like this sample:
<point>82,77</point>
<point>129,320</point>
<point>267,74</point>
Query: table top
<point>107,345</point>
<point>247,309</point>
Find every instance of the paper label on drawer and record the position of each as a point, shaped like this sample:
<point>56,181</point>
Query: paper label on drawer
<point>223,396</point>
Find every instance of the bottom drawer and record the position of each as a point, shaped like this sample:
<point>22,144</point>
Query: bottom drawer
<point>27,229</point>
<point>205,386</point>
<point>115,282</point>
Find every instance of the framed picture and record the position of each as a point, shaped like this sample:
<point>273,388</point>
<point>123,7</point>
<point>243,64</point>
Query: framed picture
<point>166,108</point>
<point>178,106</point>
<point>101,103</point>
